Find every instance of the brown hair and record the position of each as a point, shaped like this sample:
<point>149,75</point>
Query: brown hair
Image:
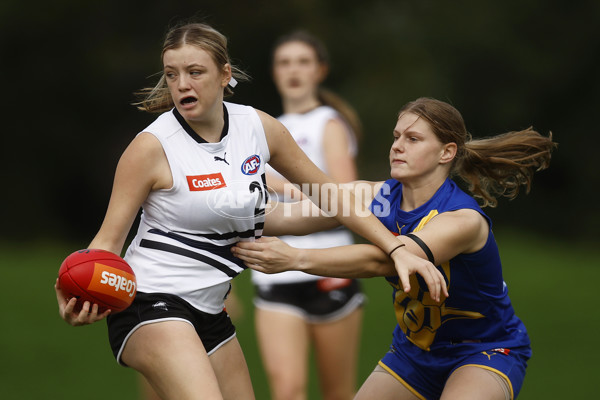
<point>324,96</point>
<point>493,166</point>
<point>158,99</point>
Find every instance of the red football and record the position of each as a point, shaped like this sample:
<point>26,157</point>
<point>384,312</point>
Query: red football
<point>100,277</point>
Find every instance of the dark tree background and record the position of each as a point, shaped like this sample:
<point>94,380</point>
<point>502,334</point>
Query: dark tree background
<point>70,69</point>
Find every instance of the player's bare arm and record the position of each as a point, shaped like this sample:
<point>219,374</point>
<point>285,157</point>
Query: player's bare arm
<point>271,255</point>
<point>298,218</point>
<point>337,152</point>
<point>143,167</point>
<point>452,233</point>
<point>304,217</point>
<point>278,184</point>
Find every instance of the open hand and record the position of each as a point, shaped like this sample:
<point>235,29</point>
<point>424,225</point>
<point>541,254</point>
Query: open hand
<point>407,263</point>
<point>267,254</point>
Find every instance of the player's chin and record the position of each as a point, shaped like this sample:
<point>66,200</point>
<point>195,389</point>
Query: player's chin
<point>400,172</point>
<point>395,175</point>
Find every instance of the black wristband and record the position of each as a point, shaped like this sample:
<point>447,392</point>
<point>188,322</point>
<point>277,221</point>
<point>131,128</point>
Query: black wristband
<point>423,246</point>
<point>395,248</point>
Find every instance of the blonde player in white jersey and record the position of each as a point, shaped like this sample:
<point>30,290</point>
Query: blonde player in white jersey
<point>295,311</point>
<point>197,174</point>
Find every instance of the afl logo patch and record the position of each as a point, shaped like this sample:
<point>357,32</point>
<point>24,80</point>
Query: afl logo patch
<point>250,165</point>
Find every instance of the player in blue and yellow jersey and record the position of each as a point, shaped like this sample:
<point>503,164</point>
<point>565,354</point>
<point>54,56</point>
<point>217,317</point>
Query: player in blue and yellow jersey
<point>469,344</point>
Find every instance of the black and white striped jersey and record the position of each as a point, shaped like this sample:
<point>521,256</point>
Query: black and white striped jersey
<point>218,198</point>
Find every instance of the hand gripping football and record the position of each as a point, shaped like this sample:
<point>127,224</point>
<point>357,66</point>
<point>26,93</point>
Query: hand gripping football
<point>100,277</point>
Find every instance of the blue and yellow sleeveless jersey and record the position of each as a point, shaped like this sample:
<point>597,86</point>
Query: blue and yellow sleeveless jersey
<point>478,309</point>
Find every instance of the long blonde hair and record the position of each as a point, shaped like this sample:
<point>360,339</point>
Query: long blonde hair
<point>493,166</point>
<point>158,99</point>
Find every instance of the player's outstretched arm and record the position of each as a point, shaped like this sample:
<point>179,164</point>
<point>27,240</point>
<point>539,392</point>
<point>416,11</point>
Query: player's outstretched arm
<point>142,168</point>
<point>303,217</point>
<point>272,255</point>
<point>297,218</point>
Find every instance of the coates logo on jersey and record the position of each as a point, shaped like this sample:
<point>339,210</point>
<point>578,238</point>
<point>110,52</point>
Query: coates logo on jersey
<point>251,164</point>
<point>198,183</point>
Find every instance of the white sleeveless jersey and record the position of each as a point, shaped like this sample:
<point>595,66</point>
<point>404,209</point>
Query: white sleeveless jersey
<point>218,196</point>
<point>307,130</point>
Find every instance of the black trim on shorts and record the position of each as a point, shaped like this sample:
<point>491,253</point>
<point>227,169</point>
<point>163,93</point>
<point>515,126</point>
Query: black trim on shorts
<point>212,329</point>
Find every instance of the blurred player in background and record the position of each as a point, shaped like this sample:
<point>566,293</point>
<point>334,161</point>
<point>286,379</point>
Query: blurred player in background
<point>470,345</point>
<point>296,311</point>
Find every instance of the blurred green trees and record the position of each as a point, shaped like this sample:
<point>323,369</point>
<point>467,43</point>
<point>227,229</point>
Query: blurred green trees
<point>70,69</point>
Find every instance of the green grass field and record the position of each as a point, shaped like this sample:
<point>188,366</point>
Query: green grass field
<point>551,283</point>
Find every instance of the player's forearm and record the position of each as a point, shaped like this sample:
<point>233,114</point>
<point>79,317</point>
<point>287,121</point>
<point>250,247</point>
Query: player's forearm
<point>299,218</point>
<point>276,183</point>
<point>369,227</point>
<point>356,216</point>
<point>353,261</point>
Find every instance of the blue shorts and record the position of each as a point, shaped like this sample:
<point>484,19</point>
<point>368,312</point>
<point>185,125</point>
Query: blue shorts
<point>425,373</point>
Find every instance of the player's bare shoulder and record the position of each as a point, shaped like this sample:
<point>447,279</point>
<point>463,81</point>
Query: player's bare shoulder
<point>470,228</point>
<point>146,157</point>
<point>270,124</point>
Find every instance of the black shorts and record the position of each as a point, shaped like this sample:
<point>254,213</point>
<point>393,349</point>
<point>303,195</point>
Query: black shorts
<point>323,300</point>
<point>213,329</point>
